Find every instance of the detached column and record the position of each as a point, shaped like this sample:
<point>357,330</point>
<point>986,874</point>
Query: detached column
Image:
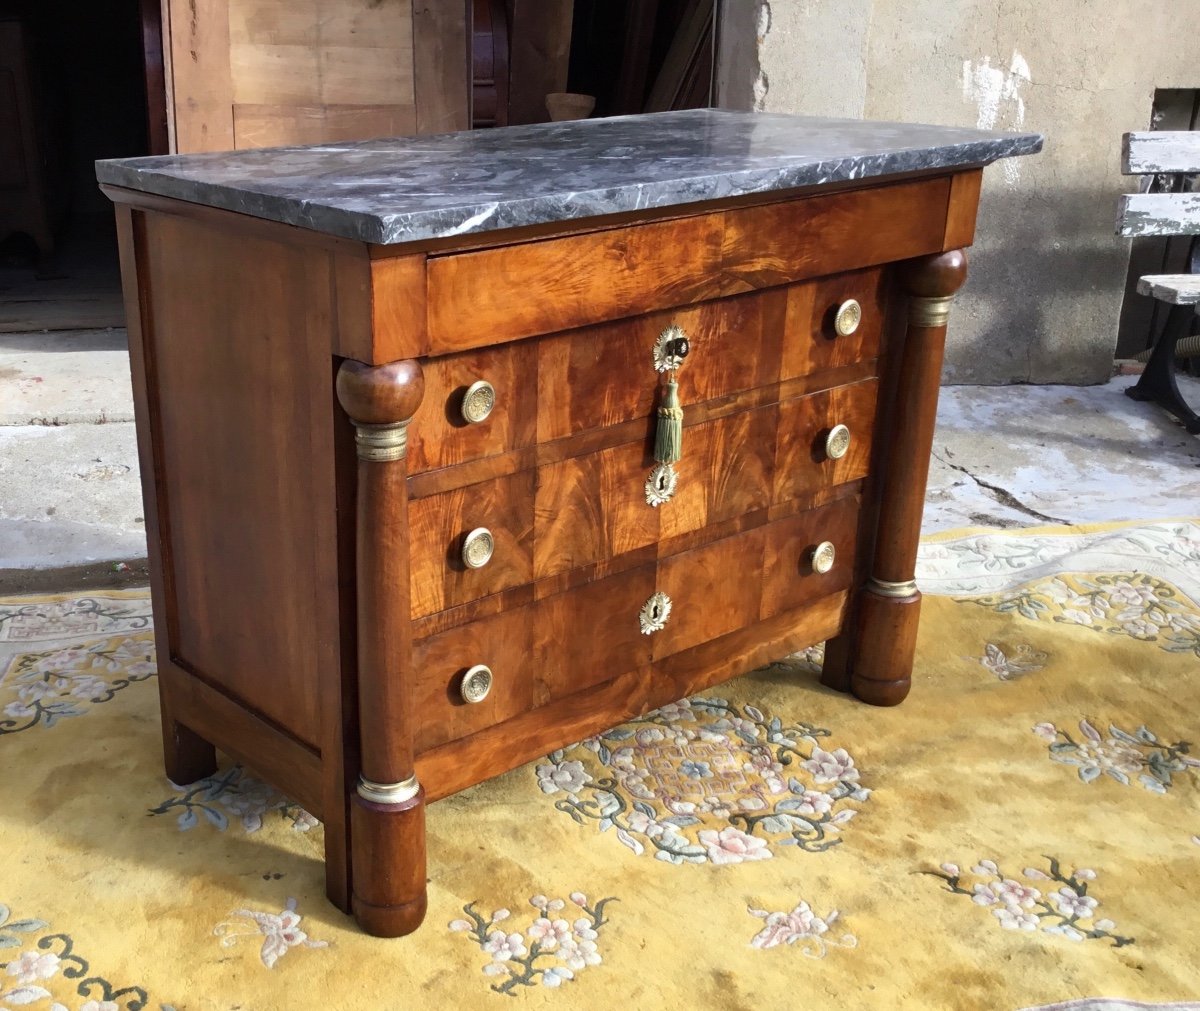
<point>889,605</point>
<point>387,815</point>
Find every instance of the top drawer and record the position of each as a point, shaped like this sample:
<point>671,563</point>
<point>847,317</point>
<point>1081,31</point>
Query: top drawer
<point>595,377</point>
<point>501,294</point>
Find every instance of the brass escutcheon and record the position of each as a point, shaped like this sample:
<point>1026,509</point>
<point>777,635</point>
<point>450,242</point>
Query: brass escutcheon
<point>837,442</point>
<point>655,613</point>
<point>847,318</point>
<point>476,683</point>
<point>477,548</point>
<point>478,401</point>
<point>823,557</point>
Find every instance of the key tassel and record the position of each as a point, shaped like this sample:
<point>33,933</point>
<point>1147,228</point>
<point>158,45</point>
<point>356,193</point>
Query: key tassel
<point>668,439</point>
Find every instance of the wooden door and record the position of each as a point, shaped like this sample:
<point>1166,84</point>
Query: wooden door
<point>260,73</point>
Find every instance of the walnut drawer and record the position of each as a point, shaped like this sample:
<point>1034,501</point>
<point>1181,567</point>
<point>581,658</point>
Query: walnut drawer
<point>559,386</point>
<point>554,647</point>
<point>594,507</point>
<point>575,280</point>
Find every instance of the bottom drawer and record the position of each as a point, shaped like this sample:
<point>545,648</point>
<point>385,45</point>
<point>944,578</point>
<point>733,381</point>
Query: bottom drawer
<point>566,643</point>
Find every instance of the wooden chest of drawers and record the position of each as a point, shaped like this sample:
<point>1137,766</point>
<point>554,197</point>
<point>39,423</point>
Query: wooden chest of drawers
<point>407,527</point>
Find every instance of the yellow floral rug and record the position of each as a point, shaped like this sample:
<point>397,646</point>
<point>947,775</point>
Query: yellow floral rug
<point>1023,832</point>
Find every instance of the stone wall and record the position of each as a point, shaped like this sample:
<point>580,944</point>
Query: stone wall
<point>1048,273</point>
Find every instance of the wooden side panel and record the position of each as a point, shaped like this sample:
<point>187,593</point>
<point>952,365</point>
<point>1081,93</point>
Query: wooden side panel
<point>238,328</point>
<point>497,295</point>
<point>777,243</point>
<point>201,75</point>
<point>604,375</point>
<point>964,205</point>
<point>801,463</point>
<point>813,345</point>
<point>438,526</point>
<point>439,435</point>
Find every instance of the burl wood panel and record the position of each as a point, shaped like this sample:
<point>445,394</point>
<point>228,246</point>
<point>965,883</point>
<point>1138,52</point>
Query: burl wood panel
<point>604,375</point>
<point>594,506</point>
<point>620,272</point>
<point>439,435</point>
<point>438,526</point>
<point>801,463</point>
<point>237,333</point>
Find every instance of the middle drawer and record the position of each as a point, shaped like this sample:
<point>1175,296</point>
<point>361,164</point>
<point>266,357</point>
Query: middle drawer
<point>594,507</point>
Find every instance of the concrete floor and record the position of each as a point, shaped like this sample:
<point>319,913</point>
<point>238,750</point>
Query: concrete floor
<point>1004,457</point>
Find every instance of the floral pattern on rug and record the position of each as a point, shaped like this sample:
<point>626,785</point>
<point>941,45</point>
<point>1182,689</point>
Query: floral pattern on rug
<point>1030,905</point>
<point>1120,755</point>
<point>1011,663</point>
<point>68,617</point>
<point>280,932</point>
<point>800,926</point>
<point>1137,605</point>
<point>41,688</point>
<point>703,781</point>
<point>570,945</point>
<point>241,795</point>
<point>46,969</point>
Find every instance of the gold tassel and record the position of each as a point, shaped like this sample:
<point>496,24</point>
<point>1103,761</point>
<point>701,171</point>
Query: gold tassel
<point>668,439</point>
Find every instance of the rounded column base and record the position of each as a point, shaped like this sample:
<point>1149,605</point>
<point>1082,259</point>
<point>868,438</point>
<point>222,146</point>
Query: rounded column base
<point>887,640</point>
<point>388,865</point>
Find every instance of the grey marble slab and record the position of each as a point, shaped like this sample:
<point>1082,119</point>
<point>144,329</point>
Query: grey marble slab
<point>417,188</point>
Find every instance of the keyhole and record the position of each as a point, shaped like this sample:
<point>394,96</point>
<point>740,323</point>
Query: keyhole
<point>656,611</point>
<point>662,482</point>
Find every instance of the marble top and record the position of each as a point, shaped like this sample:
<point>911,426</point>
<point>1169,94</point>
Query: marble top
<point>408,189</point>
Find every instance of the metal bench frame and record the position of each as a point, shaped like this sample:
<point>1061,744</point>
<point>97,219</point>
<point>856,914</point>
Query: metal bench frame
<point>1176,212</point>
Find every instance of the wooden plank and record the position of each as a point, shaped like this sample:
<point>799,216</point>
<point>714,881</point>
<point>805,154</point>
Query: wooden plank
<point>441,74</point>
<point>202,76</point>
<point>279,125</point>
<point>1160,151</point>
<point>1177,289</point>
<point>541,50</point>
<point>452,767</point>
<point>1159,214</point>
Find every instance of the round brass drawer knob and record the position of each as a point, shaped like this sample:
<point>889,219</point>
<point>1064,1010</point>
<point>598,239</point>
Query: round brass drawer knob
<point>478,401</point>
<point>837,442</point>
<point>476,683</point>
<point>847,318</point>
<point>824,555</point>
<point>478,548</point>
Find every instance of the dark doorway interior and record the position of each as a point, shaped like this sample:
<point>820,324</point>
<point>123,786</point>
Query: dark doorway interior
<point>72,89</point>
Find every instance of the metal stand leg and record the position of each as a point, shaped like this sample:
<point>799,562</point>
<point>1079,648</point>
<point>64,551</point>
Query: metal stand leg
<point>1158,383</point>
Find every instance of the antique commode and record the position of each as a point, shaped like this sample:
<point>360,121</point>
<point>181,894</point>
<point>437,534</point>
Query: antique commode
<point>459,449</point>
